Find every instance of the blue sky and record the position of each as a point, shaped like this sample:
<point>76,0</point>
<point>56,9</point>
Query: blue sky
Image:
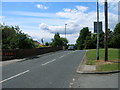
<point>44,19</point>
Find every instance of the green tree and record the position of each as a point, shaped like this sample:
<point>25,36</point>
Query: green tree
<point>82,37</point>
<point>89,43</point>
<point>56,41</point>
<point>59,41</point>
<point>110,36</point>
<point>12,38</point>
<point>64,42</point>
<point>9,37</point>
<point>47,44</point>
<point>101,40</point>
<point>117,29</point>
<point>115,41</point>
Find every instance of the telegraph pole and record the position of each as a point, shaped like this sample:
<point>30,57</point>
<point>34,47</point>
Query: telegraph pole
<point>97,30</point>
<point>106,30</point>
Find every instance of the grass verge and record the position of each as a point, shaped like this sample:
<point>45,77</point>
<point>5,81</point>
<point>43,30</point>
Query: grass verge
<point>113,62</point>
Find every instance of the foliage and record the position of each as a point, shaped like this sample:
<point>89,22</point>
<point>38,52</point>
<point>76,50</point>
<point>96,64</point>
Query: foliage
<point>115,42</point>
<point>47,44</point>
<point>59,41</point>
<point>87,40</point>
<point>13,38</point>
<point>89,43</point>
<point>84,39</point>
<point>115,39</point>
<point>41,45</point>
<point>117,29</point>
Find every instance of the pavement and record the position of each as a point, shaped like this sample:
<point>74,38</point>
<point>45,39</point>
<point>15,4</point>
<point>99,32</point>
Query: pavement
<point>96,81</point>
<point>54,70</point>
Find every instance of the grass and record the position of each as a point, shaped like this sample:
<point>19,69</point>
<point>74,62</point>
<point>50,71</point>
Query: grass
<point>113,56</point>
<point>108,67</point>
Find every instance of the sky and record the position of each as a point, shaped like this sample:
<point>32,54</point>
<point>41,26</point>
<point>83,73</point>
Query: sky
<point>44,19</point>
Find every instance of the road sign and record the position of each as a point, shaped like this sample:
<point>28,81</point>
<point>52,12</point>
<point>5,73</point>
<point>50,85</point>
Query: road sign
<point>100,27</point>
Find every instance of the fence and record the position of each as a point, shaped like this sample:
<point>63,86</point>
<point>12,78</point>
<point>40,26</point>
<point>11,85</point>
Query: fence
<point>23,53</point>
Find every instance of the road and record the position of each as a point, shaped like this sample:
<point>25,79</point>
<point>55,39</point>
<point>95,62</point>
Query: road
<point>54,70</point>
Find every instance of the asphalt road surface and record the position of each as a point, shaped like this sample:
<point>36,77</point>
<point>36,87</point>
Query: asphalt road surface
<point>54,70</point>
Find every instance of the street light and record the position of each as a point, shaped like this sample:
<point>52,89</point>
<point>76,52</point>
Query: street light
<point>65,30</point>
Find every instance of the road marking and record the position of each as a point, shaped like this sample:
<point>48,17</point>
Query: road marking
<point>14,76</point>
<point>62,56</point>
<point>55,59</point>
<point>49,62</point>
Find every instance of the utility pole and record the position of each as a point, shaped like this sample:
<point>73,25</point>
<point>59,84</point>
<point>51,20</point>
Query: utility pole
<point>106,30</point>
<point>97,30</point>
<point>65,30</point>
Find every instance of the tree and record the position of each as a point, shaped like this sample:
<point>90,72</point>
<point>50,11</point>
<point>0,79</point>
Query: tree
<point>117,29</point>
<point>110,36</point>
<point>101,40</point>
<point>64,42</point>
<point>79,43</point>
<point>47,44</point>
<point>12,38</point>
<point>42,41</point>
<point>89,43</point>
<point>9,37</point>
<point>115,41</point>
<point>58,41</point>
<point>82,37</point>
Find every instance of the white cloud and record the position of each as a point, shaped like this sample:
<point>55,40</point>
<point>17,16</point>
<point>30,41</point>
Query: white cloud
<point>44,26</point>
<point>70,29</point>
<point>76,20</point>
<point>72,13</point>
<point>36,33</point>
<point>67,9</point>
<point>40,6</point>
<point>79,17</point>
<point>81,8</point>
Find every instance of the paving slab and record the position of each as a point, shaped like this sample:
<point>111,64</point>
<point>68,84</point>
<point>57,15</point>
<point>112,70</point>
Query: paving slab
<point>89,67</point>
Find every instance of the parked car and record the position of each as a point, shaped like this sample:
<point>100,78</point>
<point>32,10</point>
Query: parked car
<point>71,48</point>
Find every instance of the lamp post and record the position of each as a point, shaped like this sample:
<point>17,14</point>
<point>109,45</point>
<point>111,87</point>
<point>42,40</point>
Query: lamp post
<point>65,30</point>
<point>106,30</point>
<point>97,30</point>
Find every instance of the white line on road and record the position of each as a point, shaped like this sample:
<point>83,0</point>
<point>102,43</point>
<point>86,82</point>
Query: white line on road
<point>48,62</point>
<point>55,59</point>
<point>62,56</point>
<point>14,76</point>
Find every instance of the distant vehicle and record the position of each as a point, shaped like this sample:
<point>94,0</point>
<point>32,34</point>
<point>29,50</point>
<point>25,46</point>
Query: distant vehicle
<point>71,48</point>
